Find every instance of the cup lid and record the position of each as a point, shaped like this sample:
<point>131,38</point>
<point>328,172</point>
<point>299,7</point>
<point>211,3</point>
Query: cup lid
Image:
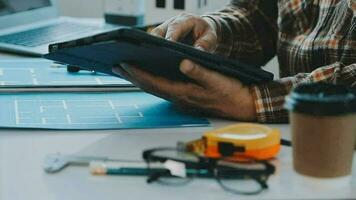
<point>322,99</point>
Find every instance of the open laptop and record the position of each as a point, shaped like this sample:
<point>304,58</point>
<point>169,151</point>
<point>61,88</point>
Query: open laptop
<point>29,26</point>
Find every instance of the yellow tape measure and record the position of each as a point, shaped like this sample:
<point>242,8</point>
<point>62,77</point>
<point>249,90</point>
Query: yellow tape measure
<point>239,142</point>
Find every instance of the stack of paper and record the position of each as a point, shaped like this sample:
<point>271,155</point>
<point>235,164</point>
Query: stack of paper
<point>36,93</point>
<point>42,75</point>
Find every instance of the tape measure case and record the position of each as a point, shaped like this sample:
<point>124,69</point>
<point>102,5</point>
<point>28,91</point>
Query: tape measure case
<point>241,141</point>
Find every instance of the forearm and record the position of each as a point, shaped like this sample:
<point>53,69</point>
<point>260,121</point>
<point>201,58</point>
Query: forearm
<point>269,98</point>
<point>247,30</point>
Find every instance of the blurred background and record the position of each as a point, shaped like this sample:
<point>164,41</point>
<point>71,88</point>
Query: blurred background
<point>96,8</point>
<point>82,8</point>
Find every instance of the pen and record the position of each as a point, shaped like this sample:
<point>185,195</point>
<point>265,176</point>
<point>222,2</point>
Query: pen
<point>129,169</point>
<point>139,169</point>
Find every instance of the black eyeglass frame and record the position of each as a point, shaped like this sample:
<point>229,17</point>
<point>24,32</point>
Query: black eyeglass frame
<point>214,169</point>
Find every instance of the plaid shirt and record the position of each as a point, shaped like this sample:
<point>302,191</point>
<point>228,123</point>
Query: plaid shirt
<point>315,41</point>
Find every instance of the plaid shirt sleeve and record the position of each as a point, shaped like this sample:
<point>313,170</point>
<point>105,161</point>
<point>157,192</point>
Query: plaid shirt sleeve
<point>269,98</point>
<point>247,30</point>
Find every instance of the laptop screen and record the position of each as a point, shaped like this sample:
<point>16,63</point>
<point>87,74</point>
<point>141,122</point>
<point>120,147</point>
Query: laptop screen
<point>8,7</point>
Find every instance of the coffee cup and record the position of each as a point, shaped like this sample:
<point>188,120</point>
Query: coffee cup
<point>323,123</point>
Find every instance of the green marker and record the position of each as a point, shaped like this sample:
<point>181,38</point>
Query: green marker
<point>101,168</point>
<point>120,168</point>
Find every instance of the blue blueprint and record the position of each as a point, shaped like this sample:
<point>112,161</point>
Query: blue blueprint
<point>40,72</point>
<point>91,111</point>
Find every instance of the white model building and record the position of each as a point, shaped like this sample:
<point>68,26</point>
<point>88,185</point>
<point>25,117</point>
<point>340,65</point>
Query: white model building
<point>147,12</point>
<point>160,10</point>
<point>125,12</point>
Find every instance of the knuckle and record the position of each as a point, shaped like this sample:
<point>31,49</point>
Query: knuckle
<point>184,100</point>
<point>157,31</point>
<point>175,24</point>
<point>188,16</point>
<point>191,88</point>
<point>200,20</point>
<point>207,44</point>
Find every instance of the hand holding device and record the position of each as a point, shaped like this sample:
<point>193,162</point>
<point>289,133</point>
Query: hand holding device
<point>168,69</point>
<point>212,93</point>
<point>203,31</point>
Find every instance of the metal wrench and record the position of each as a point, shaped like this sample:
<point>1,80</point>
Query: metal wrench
<point>54,163</point>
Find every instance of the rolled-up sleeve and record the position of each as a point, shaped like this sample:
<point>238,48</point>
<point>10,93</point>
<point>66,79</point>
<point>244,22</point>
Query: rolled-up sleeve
<point>247,30</point>
<point>270,97</point>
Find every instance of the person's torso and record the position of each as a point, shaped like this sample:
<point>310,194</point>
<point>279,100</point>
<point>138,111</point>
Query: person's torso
<point>315,33</point>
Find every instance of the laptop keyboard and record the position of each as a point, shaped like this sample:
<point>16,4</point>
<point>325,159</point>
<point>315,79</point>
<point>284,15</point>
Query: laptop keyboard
<point>47,34</point>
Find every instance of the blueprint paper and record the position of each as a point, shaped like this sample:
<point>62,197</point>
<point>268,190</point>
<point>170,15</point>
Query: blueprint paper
<point>71,111</point>
<point>40,72</point>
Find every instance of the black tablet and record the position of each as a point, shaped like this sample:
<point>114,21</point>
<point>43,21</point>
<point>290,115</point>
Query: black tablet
<point>155,55</point>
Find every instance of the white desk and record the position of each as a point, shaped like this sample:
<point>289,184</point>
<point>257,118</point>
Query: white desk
<point>22,153</point>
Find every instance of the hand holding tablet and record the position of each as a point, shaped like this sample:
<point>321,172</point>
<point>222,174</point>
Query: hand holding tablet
<point>152,54</point>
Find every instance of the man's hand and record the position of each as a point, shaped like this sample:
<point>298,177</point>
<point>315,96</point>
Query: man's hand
<point>212,93</point>
<point>203,31</point>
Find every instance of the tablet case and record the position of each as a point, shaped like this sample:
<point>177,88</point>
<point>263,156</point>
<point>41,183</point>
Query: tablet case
<point>155,55</point>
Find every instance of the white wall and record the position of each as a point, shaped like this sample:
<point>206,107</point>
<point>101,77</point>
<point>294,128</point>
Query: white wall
<point>82,8</point>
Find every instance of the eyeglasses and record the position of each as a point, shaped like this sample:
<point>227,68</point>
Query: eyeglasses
<point>247,178</point>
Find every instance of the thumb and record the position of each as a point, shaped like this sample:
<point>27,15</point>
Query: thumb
<point>204,77</point>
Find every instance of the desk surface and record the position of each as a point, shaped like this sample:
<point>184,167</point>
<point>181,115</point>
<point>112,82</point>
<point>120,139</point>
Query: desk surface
<point>22,153</point>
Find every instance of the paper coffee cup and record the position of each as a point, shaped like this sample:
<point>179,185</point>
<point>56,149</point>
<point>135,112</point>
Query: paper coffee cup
<point>323,122</point>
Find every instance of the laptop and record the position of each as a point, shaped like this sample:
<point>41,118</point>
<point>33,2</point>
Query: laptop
<point>29,26</point>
